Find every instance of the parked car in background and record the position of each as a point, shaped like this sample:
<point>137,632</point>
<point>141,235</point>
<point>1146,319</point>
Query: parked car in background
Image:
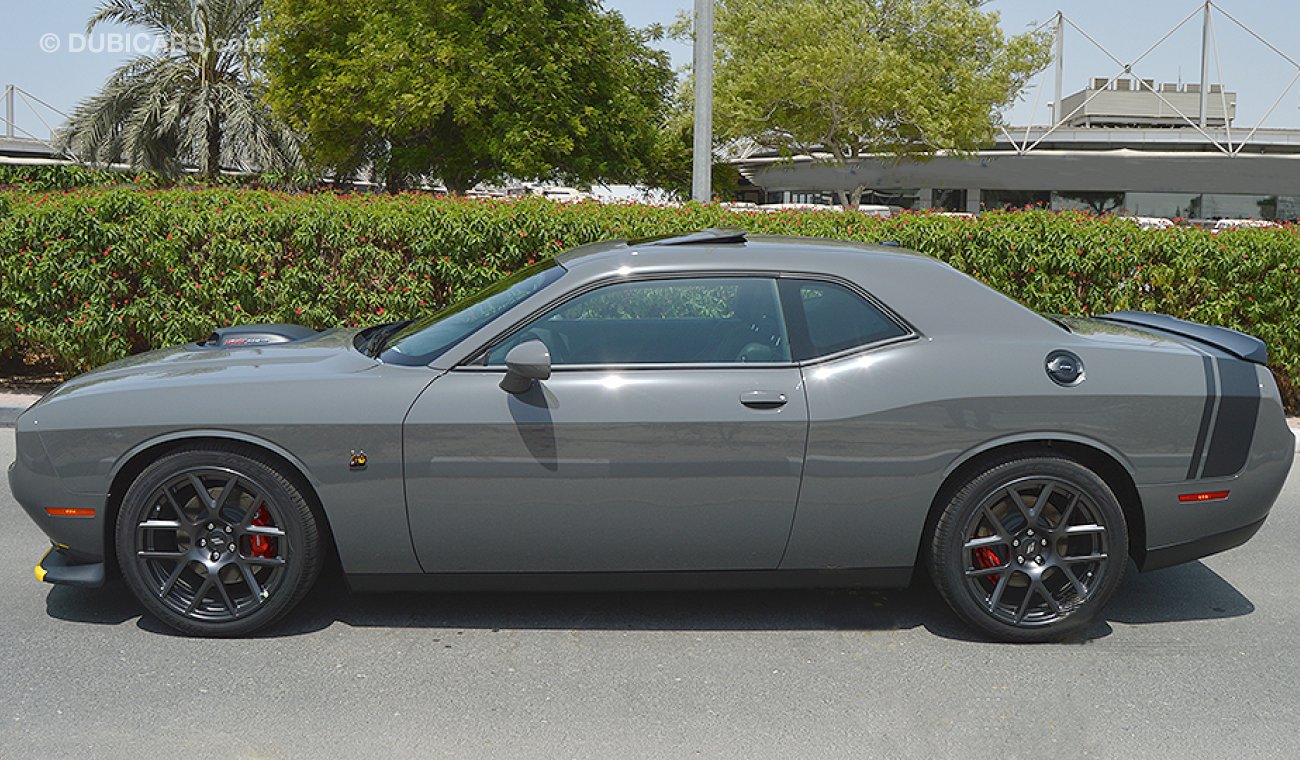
<point>863,209</point>
<point>1151,222</point>
<point>1231,224</point>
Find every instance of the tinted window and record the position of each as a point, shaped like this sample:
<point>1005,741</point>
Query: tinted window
<point>719,320</point>
<point>836,318</point>
<point>426,339</point>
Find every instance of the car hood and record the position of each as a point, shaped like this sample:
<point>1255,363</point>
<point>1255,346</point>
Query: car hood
<point>325,353</point>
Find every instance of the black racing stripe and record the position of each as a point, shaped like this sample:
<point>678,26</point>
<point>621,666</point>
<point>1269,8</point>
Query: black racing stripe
<point>1211,394</point>
<point>1234,428</point>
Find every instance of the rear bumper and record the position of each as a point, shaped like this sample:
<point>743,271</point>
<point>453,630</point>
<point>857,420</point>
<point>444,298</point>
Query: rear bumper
<point>1178,531</point>
<point>1177,554</point>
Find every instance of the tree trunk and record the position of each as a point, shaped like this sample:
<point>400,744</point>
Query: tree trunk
<point>851,199</point>
<point>213,167</point>
<point>458,185</point>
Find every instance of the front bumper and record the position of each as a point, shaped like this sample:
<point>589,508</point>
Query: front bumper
<point>58,567</point>
<point>79,539</point>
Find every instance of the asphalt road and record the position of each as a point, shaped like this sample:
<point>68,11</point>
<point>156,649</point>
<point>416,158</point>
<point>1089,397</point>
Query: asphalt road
<point>1195,661</point>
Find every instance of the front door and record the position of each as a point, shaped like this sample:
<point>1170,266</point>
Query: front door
<point>670,436</point>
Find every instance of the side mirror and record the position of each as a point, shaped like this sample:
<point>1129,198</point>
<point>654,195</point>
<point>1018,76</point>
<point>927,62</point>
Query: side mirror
<point>525,363</point>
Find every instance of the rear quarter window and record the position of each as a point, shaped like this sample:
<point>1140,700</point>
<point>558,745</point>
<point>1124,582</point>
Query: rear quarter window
<point>834,318</point>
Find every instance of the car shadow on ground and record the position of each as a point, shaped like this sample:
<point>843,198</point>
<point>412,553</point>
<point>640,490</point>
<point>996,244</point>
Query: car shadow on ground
<point>1184,593</point>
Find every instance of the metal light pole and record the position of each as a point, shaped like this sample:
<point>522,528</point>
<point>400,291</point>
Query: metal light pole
<point>9,111</point>
<point>1205,65</point>
<point>702,163</point>
<point>1057,113</point>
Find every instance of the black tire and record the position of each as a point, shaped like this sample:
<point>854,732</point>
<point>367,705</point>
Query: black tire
<point>224,560</point>
<point>1021,571</point>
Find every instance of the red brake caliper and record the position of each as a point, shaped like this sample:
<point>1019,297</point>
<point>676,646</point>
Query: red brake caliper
<point>262,546</point>
<point>987,559</point>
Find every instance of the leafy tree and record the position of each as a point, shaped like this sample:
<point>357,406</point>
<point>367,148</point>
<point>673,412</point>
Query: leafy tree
<point>195,101</point>
<point>672,168</point>
<point>468,91</point>
<point>845,80</point>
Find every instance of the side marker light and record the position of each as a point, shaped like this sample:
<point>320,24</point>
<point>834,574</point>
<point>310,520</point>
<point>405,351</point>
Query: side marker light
<point>1187,498</point>
<point>70,511</point>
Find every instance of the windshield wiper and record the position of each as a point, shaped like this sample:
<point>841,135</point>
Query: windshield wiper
<point>378,338</point>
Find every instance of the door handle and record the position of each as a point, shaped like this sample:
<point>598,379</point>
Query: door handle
<point>763,399</point>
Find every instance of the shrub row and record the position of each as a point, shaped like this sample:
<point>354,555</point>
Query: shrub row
<point>90,275</point>
<point>63,177</point>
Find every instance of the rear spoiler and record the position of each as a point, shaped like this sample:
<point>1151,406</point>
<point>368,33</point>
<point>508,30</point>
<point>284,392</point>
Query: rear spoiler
<point>1238,344</point>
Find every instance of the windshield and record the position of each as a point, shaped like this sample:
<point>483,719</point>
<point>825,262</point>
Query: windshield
<point>426,339</point>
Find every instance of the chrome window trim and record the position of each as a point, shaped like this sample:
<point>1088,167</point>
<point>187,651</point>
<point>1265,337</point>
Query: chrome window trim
<point>480,354</point>
<point>471,363</point>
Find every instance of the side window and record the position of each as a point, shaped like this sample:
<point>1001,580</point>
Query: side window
<point>718,320</point>
<point>834,318</point>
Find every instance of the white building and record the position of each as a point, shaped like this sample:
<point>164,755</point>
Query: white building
<point>1122,144</point>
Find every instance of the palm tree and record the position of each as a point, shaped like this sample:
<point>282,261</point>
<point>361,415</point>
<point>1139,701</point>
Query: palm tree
<point>196,102</point>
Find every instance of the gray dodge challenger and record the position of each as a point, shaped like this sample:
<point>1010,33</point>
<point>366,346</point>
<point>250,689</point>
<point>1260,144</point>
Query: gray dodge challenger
<point>690,411</point>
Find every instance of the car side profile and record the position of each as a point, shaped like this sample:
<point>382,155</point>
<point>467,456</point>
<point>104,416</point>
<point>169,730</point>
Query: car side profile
<point>709,409</point>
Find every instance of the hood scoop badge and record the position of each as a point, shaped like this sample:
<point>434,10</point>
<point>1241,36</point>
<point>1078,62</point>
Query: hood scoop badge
<point>241,336</point>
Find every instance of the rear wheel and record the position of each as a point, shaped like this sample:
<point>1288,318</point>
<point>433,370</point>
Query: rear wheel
<point>216,542</point>
<point>1031,549</point>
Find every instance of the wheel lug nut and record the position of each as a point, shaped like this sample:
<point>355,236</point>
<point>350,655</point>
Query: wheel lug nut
<point>228,528</point>
<point>209,526</point>
<point>1016,542</point>
<point>1031,532</point>
<point>1021,560</point>
<point>1039,560</point>
<point>232,548</point>
<point>203,542</point>
<point>216,556</point>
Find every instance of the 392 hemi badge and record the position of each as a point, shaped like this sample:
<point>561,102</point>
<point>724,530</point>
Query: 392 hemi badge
<point>358,460</point>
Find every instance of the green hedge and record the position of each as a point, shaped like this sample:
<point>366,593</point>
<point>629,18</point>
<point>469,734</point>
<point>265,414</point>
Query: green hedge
<point>63,177</point>
<point>90,275</point>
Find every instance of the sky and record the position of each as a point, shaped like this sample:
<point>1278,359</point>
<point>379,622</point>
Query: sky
<point>79,65</point>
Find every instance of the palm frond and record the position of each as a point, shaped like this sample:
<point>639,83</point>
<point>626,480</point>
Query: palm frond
<point>162,112</point>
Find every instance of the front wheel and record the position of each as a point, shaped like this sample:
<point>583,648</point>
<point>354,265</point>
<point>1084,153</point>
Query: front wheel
<point>217,542</point>
<point>1031,549</point>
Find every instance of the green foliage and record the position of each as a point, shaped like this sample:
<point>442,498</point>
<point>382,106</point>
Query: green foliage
<point>653,300</point>
<point>43,178</point>
<point>57,177</point>
<point>467,91</point>
<point>855,77</point>
<point>92,275</point>
<point>671,168</point>
<point>197,102</point>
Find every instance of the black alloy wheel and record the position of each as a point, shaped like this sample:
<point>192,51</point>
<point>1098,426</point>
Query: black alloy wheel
<point>1030,550</point>
<point>216,541</point>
